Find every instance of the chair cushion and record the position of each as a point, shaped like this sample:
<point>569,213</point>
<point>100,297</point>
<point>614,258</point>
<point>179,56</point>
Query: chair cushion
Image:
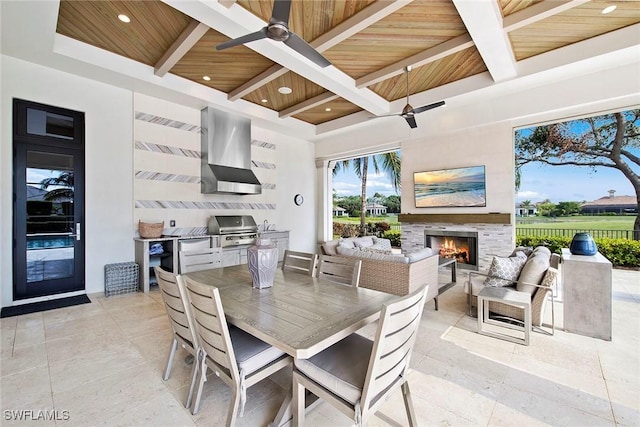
<point>533,272</point>
<point>504,271</point>
<point>526,249</point>
<point>543,250</point>
<point>340,368</point>
<point>251,352</point>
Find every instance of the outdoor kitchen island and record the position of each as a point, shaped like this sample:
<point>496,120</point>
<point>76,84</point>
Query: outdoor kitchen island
<point>231,235</point>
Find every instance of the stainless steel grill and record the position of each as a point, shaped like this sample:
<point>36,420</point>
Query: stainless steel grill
<point>234,230</point>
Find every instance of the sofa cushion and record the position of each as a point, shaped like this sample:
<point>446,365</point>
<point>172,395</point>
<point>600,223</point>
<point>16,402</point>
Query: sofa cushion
<point>421,254</point>
<point>532,272</point>
<point>504,271</point>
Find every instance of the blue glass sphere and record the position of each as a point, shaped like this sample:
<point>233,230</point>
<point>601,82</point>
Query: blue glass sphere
<point>583,244</point>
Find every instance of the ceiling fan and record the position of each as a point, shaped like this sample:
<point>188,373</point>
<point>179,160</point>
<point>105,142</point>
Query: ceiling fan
<point>408,112</point>
<point>278,30</point>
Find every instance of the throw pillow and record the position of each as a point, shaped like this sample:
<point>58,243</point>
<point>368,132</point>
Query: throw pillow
<point>348,251</point>
<point>344,243</point>
<point>504,271</point>
<point>532,272</point>
<point>330,246</point>
<point>363,242</point>
<point>375,250</point>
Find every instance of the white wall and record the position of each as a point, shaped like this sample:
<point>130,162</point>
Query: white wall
<point>284,166</point>
<point>108,153</point>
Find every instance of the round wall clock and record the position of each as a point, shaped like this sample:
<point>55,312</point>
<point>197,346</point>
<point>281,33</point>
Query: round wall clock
<point>298,199</point>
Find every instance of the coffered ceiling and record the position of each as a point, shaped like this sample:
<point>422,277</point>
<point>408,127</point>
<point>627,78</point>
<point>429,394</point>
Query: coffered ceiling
<point>367,42</point>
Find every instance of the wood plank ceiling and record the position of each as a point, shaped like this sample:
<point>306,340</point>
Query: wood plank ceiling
<point>429,35</point>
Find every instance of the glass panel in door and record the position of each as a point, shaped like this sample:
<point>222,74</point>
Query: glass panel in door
<point>50,258</point>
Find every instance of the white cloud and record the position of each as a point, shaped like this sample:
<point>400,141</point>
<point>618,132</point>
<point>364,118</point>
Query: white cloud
<point>534,196</point>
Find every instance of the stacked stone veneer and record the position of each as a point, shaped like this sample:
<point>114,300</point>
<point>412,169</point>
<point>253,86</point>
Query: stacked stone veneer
<point>493,239</point>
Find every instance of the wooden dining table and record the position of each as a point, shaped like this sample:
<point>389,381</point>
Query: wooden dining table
<point>300,315</point>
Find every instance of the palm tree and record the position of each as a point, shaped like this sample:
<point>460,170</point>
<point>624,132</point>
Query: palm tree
<point>389,163</point>
<point>64,182</point>
<point>526,204</point>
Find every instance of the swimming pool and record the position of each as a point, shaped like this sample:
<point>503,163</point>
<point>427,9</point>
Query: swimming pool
<point>49,242</point>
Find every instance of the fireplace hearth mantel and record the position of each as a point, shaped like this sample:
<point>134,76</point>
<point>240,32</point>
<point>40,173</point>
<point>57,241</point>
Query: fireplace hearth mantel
<point>485,218</point>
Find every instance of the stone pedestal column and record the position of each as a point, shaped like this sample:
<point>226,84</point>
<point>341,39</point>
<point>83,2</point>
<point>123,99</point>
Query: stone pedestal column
<point>587,294</point>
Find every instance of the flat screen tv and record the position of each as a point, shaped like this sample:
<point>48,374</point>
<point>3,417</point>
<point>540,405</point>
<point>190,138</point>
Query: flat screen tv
<point>459,187</point>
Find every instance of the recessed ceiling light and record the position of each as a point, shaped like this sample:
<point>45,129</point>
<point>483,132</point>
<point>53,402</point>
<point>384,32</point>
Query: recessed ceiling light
<point>206,78</point>
<point>124,18</point>
<point>264,101</point>
<point>327,109</point>
<point>285,90</point>
<point>609,9</point>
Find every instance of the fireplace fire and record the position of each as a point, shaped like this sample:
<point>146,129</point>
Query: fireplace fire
<point>459,245</point>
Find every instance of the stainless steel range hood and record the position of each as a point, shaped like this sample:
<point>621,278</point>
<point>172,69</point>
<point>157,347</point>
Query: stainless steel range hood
<point>226,154</point>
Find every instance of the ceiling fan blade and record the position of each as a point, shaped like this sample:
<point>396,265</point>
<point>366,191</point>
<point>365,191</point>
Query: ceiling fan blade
<point>303,48</point>
<point>412,121</point>
<point>280,12</point>
<point>428,107</point>
<point>262,34</point>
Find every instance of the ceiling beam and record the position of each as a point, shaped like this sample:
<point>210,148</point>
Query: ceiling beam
<point>227,3</point>
<point>350,26</point>
<point>419,59</point>
<point>483,20</point>
<point>185,41</point>
<point>308,104</point>
<point>538,12</point>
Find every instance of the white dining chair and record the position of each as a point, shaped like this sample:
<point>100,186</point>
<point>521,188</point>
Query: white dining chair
<point>238,358</point>
<point>177,307</point>
<point>299,262</point>
<point>357,375</point>
<point>200,259</point>
<point>339,269</point>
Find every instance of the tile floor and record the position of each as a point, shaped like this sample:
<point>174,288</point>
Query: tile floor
<point>100,364</point>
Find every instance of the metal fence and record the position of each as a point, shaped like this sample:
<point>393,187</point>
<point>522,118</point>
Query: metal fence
<point>569,232</point>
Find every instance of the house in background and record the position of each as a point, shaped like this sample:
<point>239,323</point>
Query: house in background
<point>338,211</point>
<point>526,210</point>
<point>375,209</point>
<point>611,204</point>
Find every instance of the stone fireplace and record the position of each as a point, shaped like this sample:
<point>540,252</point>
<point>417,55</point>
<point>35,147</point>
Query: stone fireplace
<point>459,245</point>
<point>495,233</point>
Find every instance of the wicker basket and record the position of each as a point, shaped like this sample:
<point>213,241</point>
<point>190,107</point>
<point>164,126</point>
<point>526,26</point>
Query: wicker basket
<point>148,230</point>
<point>120,278</point>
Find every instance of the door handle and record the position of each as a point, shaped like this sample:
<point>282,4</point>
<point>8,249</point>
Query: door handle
<point>77,233</point>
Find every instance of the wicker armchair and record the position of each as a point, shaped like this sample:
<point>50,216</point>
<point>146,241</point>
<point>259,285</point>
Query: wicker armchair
<point>542,292</point>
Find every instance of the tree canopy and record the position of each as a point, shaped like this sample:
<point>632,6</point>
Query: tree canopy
<point>610,140</point>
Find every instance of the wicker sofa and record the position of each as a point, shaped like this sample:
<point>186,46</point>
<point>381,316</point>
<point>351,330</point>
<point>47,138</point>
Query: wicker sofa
<point>395,274</point>
<point>538,274</point>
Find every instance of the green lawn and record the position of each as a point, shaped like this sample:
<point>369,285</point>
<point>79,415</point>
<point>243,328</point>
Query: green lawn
<point>578,222</point>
